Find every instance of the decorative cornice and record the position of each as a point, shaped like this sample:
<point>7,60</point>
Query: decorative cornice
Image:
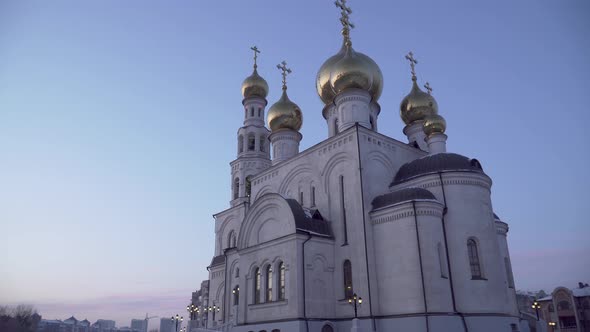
<point>501,227</point>
<point>405,209</point>
<point>451,177</point>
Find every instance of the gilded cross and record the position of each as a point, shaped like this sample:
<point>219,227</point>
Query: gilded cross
<point>256,51</point>
<point>283,67</point>
<point>345,11</point>
<point>413,62</point>
<point>428,88</point>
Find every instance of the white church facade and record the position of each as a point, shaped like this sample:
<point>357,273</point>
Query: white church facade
<point>406,226</point>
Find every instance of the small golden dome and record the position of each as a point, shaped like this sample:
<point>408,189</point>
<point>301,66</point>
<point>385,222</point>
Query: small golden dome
<point>254,85</point>
<point>417,105</point>
<point>284,114</point>
<point>348,69</point>
<point>434,124</point>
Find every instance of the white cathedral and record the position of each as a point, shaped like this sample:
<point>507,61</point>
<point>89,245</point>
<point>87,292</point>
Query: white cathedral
<point>403,230</point>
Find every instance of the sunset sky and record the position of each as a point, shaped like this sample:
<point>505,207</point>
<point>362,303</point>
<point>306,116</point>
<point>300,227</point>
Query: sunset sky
<point>118,121</point>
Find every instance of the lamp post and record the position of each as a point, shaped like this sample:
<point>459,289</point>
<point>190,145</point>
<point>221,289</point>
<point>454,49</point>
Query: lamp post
<point>214,309</point>
<point>236,292</point>
<point>177,320</point>
<point>354,300</point>
<point>536,306</point>
<point>552,324</point>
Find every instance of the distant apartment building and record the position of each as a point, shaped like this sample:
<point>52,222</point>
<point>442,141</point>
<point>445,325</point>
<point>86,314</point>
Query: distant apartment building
<point>139,325</point>
<point>567,310</point>
<point>166,325</point>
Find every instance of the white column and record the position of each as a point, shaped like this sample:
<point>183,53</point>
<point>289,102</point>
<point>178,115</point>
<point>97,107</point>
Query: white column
<point>285,144</point>
<point>437,143</point>
<point>415,133</point>
<point>352,106</point>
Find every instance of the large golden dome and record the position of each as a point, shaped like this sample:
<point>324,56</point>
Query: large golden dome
<point>348,69</point>
<point>417,105</point>
<point>284,114</point>
<point>434,124</point>
<point>254,85</point>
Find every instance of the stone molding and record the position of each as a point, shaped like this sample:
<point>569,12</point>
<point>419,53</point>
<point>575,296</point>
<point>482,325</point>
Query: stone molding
<point>404,210</point>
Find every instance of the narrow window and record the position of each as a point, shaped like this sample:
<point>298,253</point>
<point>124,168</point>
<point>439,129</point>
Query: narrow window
<point>237,272</point>
<point>251,143</point>
<point>474,259</point>
<point>252,111</point>
<point>343,209</point>
<point>236,292</point>
<point>257,286</point>
<point>281,281</point>
<point>248,186</point>
<point>259,112</point>
<point>509,277</point>
<point>347,269</point>
<point>441,261</point>
<point>268,283</point>
<point>336,126</point>
<point>240,144</point>
<point>231,239</point>
<point>312,196</point>
<point>262,145</point>
<point>236,188</point>
<point>301,198</point>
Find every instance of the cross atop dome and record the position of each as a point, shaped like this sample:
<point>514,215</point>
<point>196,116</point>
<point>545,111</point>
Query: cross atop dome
<point>256,51</point>
<point>413,62</point>
<point>345,11</point>
<point>428,88</point>
<point>285,71</point>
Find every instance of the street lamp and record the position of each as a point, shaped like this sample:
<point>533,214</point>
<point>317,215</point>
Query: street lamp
<point>536,306</point>
<point>354,301</point>
<point>177,320</point>
<point>236,292</point>
<point>214,309</point>
<point>552,324</point>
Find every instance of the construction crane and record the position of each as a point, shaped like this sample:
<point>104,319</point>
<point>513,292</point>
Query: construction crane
<point>147,319</point>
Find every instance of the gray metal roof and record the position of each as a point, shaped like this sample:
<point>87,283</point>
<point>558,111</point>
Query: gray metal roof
<point>402,195</point>
<point>435,163</point>
<point>309,220</point>
<point>217,260</point>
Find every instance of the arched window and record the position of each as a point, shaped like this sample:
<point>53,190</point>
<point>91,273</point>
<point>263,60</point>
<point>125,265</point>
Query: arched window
<point>257,285</point>
<point>336,126</point>
<point>268,283</point>
<point>327,328</point>
<point>347,271</point>
<point>236,292</point>
<point>563,305</point>
<point>259,112</point>
<point>251,142</point>
<point>236,188</point>
<point>301,198</point>
<point>237,272</point>
<point>441,261</point>
<point>281,281</point>
<point>252,111</point>
<point>262,143</point>
<point>240,144</point>
<point>312,196</point>
<point>231,239</point>
<point>474,259</point>
<point>248,186</point>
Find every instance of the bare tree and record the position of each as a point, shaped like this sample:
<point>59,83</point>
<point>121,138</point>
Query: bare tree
<point>22,318</point>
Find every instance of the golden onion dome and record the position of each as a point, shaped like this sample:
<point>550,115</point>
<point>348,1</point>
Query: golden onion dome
<point>284,114</point>
<point>254,85</point>
<point>348,69</point>
<point>434,124</point>
<point>417,105</point>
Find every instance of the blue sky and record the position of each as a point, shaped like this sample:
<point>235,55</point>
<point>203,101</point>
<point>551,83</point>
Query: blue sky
<point>118,121</point>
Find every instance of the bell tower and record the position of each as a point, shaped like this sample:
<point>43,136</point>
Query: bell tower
<point>253,148</point>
